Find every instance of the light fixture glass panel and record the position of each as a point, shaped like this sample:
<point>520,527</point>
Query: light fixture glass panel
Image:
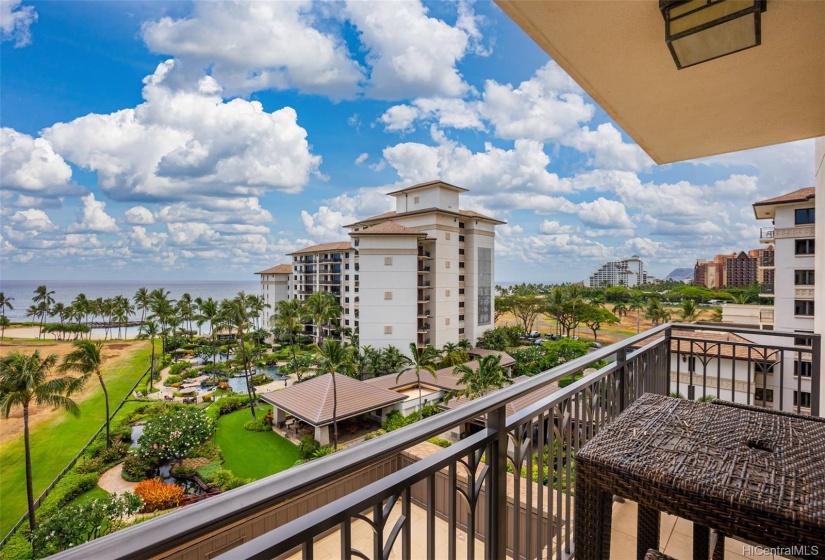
<point>716,41</point>
<point>712,12</point>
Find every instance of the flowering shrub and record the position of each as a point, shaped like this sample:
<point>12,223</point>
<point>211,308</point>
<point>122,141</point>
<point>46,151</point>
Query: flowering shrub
<point>174,435</point>
<point>136,469</point>
<point>157,495</point>
<point>74,525</point>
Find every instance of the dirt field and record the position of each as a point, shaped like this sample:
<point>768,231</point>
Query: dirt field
<point>627,327</point>
<point>112,352</point>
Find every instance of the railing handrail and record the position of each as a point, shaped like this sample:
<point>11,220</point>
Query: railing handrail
<point>200,519</point>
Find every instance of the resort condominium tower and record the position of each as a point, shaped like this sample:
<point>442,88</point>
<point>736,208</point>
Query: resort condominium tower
<point>422,273</point>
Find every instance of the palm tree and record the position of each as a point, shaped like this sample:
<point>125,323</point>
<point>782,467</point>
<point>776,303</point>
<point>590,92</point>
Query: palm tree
<point>465,344</point>
<point>334,357</point>
<point>186,309</point>
<point>86,359</point>
<point>741,299</point>
<point>287,319</point>
<point>24,379</point>
<point>689,312</point>
<point>637,305</point>
<point>142,300</point>
<point>656,312</point>
<point>151,330</point>
<point>420,360</point>
<point>620,309</point>
<point>82,307</point>
<point>4,303</point>
<point>716,316</point>
<point>236,314</point>
<point>478,382</point>
<point>321,308</point>
<point>392,360</point>
<point>209,312</point>
<point>43,300</point>
<point>452,355</point>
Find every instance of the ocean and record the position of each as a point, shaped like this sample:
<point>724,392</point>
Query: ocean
<point>23,290</point>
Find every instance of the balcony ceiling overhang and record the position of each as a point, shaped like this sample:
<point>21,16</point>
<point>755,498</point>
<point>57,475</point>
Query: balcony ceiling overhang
<point>616,51</point>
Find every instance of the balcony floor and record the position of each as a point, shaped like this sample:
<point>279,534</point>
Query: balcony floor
<point>676,538</point>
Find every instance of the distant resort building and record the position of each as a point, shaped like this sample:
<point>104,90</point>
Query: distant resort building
<point>422,273</point>
<point>736,270</point>
<point>627,272</point>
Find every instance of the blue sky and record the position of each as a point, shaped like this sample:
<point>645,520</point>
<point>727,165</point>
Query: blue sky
<point>205,140</point>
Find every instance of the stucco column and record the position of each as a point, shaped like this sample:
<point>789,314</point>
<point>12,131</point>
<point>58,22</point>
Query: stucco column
<point>280,417</point>
<point>322,435</point>
<point>819,309</point>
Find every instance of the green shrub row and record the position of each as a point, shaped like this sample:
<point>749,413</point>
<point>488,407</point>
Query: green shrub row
<point>259,425</point>
<point>70,487</point>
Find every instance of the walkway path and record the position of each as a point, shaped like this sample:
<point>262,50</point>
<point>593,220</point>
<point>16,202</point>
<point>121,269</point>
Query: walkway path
<point>112,481</point>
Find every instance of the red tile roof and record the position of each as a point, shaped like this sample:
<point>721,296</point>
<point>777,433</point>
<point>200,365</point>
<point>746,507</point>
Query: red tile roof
<point>279,269</point>
<point>337,246</point>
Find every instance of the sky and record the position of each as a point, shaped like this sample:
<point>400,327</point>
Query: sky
<point>206,140</point>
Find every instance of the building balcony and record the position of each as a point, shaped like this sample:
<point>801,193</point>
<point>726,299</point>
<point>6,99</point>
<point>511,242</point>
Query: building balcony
<point>766,235</point>
<point>423,269</point>
<point>767,261</point>
<point>424,328</point>
<point>330,281</point>
<point>420,501</point>
<point>423,299</point>
<point>766,290</point>
<point>424,255</point>
<point>423,283</point>
<point>424,314</point>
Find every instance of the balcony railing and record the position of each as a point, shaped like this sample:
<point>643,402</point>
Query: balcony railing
<point>767,260</point>
<point>465,487</point>
<point>766,289</point>
<point>766,234</point>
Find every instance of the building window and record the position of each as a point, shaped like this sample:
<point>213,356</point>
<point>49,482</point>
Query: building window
<point>461,264</point>
<point>446,320</point>
<point>460,238</point>
<point>804,246</point>
<point>387,295</point>
<point>387,261</point>
<point>803,278</point>
<point>804,216</point>
<point>461,304</point>
<point>447,293</point>
<point>768,397</point>
<point>803,307</point>
<point>803,341</point>
<point>802,369</point>
<point>461,291</point>
<point>461,317</point>
<point>447,236</point>
<point>460,225</point>
<point>803,401</point>
<point>485,281</point>
<point>461,251</point>
<point>447,264</point>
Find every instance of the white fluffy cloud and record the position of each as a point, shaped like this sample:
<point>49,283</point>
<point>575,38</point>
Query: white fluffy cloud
<point>273,45</point>
<point>93,217</point>
<point>604,214</point>
<point>524,168</point>
<point>326,225</point>
<point>139,215</point>
<point>181,144</point>
<point>32,220</point>
<point>15,22</point>
<point>608,149</point>
<point>31,166</point>
<point>447,112</point>
<point>411,53</point>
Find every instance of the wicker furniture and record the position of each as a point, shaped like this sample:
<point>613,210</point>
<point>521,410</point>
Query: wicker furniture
<point>748,473</point>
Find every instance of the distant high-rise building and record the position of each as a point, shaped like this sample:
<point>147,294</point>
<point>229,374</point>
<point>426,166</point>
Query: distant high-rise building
<point>626,272</point>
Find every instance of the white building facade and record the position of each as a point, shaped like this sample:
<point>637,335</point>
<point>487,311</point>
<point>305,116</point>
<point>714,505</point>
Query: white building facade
<point>626,272</point>
<point>275,286</point>
<point>423,273</point>
<point>793,272</point>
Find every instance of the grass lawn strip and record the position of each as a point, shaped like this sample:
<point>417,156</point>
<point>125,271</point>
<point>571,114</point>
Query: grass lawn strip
<point>55,442</point>
<point>96,492</point>
<point>252,454</point>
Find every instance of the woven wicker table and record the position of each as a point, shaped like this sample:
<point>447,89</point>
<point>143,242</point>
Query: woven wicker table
<point>748,473</point>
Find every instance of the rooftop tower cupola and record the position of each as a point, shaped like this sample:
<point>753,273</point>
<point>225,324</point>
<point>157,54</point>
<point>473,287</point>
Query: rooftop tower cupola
<point>427,196</point>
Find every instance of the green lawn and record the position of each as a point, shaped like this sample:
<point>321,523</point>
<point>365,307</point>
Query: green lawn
<point>96,492</point>
<point>55,442</point>
<point>252,454</point>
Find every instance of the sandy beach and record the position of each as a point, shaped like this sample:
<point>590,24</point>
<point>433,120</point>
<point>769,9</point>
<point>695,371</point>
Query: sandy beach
<point>34,332</point>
